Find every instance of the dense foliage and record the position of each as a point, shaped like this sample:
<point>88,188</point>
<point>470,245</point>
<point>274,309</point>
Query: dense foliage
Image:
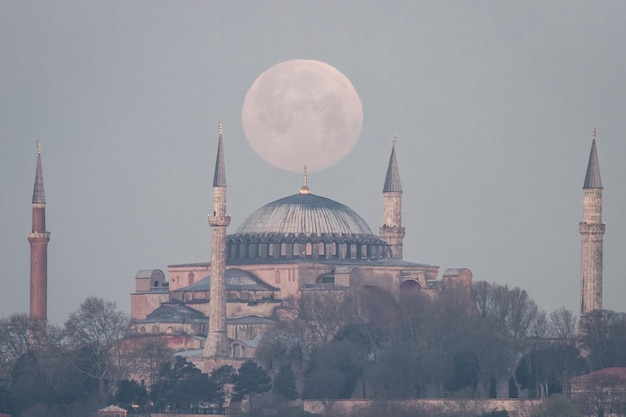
<point>460,343</point>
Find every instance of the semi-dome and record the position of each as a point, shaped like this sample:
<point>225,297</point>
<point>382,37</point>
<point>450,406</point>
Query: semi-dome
<point>304,225</point>
<point>306,214</point>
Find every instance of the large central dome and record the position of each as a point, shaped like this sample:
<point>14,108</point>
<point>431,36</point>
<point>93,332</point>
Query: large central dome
<point>304,225</point>
<point>306,214</point>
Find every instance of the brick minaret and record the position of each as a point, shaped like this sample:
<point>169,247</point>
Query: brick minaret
<point>392,231</point>
<point>592,234</point>
<point>217,342</point>
<point>38,239</point>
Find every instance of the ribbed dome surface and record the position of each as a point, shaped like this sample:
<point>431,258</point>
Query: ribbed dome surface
<point>306,214</point>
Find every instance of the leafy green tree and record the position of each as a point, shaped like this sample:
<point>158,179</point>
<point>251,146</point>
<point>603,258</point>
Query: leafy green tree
<point>394,375</point>
<point>181,384</point>
<point>323,383</point>
<point>285,384</point>
<point>466,368</point>
<point>542,370</point>
<point>341,358</point>
<point>249,380</point>
<point>221,377</point>
<point>129,393</point>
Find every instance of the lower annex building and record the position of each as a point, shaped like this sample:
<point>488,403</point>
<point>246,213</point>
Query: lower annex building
<point>302,242</point>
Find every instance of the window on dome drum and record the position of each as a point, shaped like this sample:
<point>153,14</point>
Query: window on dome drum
<point>296,249</point>
<point>308,250</point>
<point>320,249</point>
<point>283,249</point>
<point>271,250</point>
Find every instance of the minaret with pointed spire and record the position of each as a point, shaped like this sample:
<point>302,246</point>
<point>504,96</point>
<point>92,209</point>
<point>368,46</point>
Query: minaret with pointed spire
<point>592,235</point>
<point>392,231</point>
<point>38,238</point>
<point>217,342</point>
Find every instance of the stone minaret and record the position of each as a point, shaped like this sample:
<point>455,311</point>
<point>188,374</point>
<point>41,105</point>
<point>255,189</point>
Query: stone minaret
<point>217,342</point>
<point>38,239</point>
<point>592,233</point>
<point>392,231</point>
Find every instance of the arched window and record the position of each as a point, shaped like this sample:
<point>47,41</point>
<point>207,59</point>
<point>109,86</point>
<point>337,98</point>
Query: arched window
<point>308,249</point>
<point>169,330</point>
<point>283,249</point>
<point>277,277</point>
<point>155,329</point>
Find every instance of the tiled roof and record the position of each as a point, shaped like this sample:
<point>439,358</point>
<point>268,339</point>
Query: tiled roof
<point>112,408</point>
<point>236,280</point>
<point>251,319</point>
<point>618,373</point>
<point>174,313</point>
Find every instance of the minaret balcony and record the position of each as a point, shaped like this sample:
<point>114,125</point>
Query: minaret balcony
<point>219,221</point>
<point>38,235</point>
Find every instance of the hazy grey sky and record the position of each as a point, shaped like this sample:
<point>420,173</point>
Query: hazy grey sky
<point>494,104</point>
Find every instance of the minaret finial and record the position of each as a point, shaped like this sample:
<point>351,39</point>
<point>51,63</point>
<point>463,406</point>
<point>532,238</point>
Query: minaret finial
<point>221,129</point>
<point>394,140</point>
<point>39,147</point>
<point>305,188</point>
<point>594,133</point>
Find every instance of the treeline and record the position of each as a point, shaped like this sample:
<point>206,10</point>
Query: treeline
<point>482,342</point>
<point>487,341</point>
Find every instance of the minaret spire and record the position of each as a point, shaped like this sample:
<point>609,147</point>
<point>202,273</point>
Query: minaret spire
<point>219,177</point>
<point>392,231</point>
<point>38,238</point>
<point>592,235</point>
<point>217,342</point>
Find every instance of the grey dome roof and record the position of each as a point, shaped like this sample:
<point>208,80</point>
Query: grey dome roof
<point>306,214</point>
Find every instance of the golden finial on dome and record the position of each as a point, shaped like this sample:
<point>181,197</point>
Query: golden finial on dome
<point>305,188</point>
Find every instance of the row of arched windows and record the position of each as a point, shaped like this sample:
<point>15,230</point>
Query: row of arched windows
<point>323,250</point>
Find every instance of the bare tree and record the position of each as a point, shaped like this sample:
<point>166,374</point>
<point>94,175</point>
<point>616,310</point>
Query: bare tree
<point>145,357</point>
<point>19,335</point>
<point>96,331</point>
<point>324,313</point>
<point>562,324</point>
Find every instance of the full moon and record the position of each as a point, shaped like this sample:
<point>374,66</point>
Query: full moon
<point>302,112</point>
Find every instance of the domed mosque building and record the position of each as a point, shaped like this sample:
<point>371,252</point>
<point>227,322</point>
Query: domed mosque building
<point>302,242</point>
